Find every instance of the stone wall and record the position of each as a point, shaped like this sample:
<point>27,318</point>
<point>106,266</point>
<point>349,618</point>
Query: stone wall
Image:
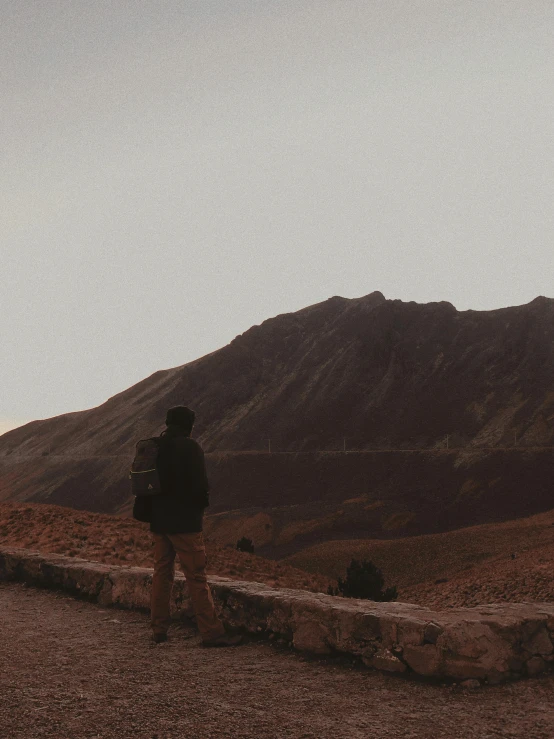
<point>491,643</point>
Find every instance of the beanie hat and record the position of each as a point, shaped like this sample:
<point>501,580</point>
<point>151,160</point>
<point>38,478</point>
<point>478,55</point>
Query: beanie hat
<point>180,415</point>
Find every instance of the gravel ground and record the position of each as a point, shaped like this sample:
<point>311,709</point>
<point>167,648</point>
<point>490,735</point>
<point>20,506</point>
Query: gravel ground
<point>70,669</point>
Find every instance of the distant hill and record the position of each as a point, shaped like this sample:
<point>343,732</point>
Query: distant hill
<point>492,563</point>
<point>367,374</point>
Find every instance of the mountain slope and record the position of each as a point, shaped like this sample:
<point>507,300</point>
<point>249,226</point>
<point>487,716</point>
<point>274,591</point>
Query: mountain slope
<point>375,372</point>
<point>383,373</point>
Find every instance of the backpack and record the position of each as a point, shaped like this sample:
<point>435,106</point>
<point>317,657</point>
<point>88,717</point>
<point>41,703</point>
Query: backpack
<point>144,477</point>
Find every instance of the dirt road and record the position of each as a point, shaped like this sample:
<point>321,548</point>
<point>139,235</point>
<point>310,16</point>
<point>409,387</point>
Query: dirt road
<point>72,670</point>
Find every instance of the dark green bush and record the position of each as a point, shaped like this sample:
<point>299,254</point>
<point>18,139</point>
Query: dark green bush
<point>364,580</point>
<point>245,545</point>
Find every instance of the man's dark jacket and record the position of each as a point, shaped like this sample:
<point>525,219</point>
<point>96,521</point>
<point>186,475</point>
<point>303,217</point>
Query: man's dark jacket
<point>180,507</point>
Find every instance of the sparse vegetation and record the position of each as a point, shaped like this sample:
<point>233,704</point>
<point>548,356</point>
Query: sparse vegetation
<point>119,540</point>
<point>462,568</point>
<point>364,580</point>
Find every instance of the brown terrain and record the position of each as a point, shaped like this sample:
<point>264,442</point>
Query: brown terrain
<point>72,668</point>
<point>97,675</point>
<point>115,540</point>
<point>467,567</point>
<point>387,380</point>
<point>511,561</point>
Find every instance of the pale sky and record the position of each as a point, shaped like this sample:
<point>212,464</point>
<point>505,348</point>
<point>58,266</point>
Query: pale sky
<point>175,171</point>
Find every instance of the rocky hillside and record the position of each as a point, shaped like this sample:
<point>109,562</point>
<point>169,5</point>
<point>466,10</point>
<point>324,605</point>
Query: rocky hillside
<point>494,563</point>
<point>115,540</point>
<point>369,373</point>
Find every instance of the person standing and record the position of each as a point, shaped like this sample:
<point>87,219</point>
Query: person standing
<point>176,526</point>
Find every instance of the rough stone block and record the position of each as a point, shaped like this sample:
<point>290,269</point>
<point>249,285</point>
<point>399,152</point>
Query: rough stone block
<point>410,631</point>
<point>9,561</point>
<point>105,595</point>
<point>425,660</point>
<point>385,660</point>
<point>539,642</point>
<point>477,646</point>
<point>131,587</point>
<point>388,627</point>
<point>431,633</point>
<point>491,643</point>
<point>310,636</point>
<point>29,569</point>
<point>85,578</point>
<point>535,666</point>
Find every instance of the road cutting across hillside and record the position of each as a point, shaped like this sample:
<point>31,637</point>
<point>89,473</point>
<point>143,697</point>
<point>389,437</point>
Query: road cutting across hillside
<point>72,669</point>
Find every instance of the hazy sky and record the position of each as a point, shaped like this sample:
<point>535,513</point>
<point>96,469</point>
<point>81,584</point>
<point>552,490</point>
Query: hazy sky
<point>174,171</point>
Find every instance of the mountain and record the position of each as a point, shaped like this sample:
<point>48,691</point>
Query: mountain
<point>366,374</point>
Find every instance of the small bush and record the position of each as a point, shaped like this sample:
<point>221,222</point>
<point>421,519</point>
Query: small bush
<point>245,545</point>
<point>364,580</point>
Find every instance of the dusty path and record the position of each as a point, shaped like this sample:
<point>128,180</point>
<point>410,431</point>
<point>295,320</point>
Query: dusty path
<point>70,669</point>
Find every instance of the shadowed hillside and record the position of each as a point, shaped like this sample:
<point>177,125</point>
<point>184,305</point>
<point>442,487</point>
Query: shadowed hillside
<point>369,373</point>
<point>492,563</point>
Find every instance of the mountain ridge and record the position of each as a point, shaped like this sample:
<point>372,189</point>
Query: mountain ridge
<point>253,334</point>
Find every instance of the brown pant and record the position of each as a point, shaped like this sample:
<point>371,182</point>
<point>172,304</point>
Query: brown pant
<point>192,556</point>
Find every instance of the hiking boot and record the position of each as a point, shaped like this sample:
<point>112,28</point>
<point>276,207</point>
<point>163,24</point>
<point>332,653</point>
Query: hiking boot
<point>225,640</point>
<point>159,638</point>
